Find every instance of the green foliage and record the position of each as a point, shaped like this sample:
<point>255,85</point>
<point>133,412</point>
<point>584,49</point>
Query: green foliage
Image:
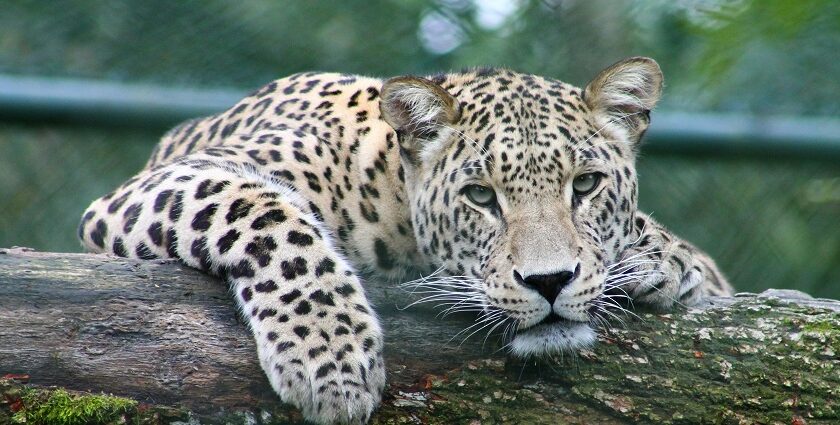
<point>771,56</point>
<point>770,223</point>
<point>767,56</point>
<point>58,407</point>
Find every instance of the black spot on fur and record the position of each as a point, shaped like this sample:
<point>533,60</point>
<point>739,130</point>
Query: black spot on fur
<point>246,294</point>
<point>161,200</point>
<point>301,157</point>
<point>303,308</point>
<point>291,296</point>
<point>201,253</point>
<point>268,286</point>
<point>242,269</point>
<point>383,256</point>
<point>208,188</point>
<point>268,312</point>
<point>171,243</point>
<point>285,345</point>
<point>201,221</point>
<point>130,216</point>
<point>226,242</point>
<point>119,248</point>
<point>315,352</point>
<point>345,290</point>
<point>325,369</point>
<point>321,297</point>
<point>301,331</point>
<point>85,219</point>
<point>273,216</point>
<point>298,238</point>
<point>143,252</point>
<point>156,233</point>
<point>368,344</point>
<point>99,232</point>
<point>230,128</point>
<point>344,318</point>
<point>238,209</point>
<point>118,203</point>
<point>325,266</point>
<point>369,214</point>
<point>261,248</point>
<point>177,206</point>
<point>294,268</point>
<point>201,193</point>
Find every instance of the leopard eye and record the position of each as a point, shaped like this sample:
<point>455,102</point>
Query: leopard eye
<point>586,183</point>
<point>482,196</point>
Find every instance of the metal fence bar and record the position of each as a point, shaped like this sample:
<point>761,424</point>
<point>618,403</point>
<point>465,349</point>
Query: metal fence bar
<point>144,105</point>
<point>105,102</point>
<point>681,132</point>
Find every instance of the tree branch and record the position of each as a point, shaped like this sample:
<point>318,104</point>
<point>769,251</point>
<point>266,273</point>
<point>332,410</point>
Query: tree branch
<point>165,334</point>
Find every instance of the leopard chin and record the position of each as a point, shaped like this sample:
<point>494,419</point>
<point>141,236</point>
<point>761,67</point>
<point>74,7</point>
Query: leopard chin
<point>554,337</point>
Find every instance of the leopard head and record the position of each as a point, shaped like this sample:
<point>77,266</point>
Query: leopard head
<point>523,191</point>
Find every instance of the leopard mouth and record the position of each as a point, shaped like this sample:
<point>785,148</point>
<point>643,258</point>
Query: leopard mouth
<point>552,335</point>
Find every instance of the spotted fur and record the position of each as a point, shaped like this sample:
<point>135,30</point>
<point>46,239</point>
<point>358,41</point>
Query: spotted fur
<point>316,178</point>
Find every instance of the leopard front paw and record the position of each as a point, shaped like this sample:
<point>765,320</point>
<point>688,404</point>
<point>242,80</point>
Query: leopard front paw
<point>663,278</point>
<point>676,280</point>
<point>332,375</point>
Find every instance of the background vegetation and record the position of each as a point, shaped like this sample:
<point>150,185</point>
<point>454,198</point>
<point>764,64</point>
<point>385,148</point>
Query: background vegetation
<point>769,220</point>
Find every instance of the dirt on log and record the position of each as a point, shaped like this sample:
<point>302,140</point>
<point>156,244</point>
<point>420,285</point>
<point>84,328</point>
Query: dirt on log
<point>169,337</point>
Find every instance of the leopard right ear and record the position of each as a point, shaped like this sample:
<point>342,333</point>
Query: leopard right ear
<point>418,109</point>
<point>624,94</point>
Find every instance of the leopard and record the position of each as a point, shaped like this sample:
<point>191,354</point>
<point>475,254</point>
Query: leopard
<point>516,192</point>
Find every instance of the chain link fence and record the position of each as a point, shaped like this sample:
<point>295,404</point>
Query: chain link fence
<point>770,219</point>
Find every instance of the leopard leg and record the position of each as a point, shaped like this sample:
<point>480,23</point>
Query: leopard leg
<point>319,342</point>
<point>664,270</point>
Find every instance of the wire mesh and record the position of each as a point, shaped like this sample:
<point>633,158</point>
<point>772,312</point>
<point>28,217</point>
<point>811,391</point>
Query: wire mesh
<point>770,222</point>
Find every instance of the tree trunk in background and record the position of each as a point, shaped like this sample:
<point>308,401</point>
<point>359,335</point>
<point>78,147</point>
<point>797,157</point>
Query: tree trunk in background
<point>164,334</point>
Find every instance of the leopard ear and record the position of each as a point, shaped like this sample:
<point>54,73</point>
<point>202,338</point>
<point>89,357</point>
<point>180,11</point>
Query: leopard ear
<point>418,109</point>
<point>624,94</point>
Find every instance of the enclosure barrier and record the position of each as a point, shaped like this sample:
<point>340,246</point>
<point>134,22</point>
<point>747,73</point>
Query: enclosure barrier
<point>143,105</point>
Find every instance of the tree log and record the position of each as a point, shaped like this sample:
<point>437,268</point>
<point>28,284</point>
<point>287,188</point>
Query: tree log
<point>169,337</point>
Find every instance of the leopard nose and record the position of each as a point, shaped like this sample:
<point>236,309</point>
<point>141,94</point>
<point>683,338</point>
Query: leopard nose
<point>550,285</point>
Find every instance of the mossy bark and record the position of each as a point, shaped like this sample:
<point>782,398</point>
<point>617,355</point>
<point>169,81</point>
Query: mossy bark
<point>167,338</point>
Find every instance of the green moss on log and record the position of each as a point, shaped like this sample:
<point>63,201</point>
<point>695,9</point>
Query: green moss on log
<point>24,404</point>
<point>757,361</point>
<point>484,392</point>
<point>61,408</point>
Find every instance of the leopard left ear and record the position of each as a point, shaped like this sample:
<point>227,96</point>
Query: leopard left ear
<point>418,109</point>
<point>625,93</point>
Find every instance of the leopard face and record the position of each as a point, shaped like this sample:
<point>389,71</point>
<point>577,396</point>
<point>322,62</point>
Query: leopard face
<point>523,191</point>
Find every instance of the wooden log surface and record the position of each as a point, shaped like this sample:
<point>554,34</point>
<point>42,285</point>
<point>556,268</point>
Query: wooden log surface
<point>167,335</point>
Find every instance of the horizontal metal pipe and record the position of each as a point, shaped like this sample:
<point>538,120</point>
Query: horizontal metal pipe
<point>36,99</point>
<point>721,133</point>
<point>106,102</point>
